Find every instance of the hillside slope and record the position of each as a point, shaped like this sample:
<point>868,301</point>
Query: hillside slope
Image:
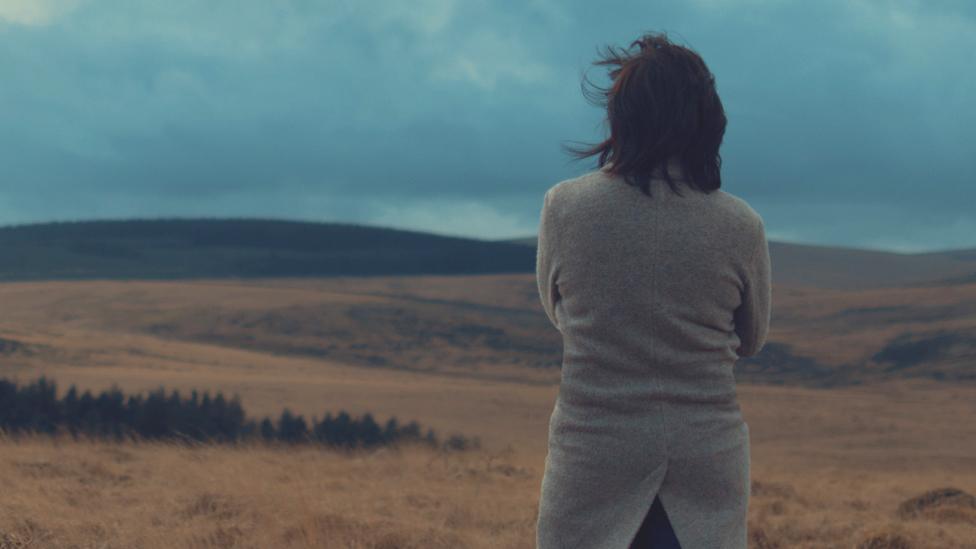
<point>487,327</point>
<point>252,248</point>
<point>199,248</point>
<point>840,268</point>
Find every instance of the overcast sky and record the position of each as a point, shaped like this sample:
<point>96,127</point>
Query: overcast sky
<point>850,123</point>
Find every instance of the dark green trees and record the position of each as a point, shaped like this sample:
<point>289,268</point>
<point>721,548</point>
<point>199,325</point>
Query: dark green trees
<point>36,408</point>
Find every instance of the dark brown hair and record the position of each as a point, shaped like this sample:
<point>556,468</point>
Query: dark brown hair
<point>662,104</point>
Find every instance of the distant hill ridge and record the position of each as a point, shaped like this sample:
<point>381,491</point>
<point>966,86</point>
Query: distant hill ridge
<point>253,247</point>
<point>843,268</point>
<point>181,248</point>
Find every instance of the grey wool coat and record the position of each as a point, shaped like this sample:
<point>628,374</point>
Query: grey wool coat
<point>656,298</point>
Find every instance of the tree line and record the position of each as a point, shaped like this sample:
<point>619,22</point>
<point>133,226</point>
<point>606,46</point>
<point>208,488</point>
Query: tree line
<point>158,415</point>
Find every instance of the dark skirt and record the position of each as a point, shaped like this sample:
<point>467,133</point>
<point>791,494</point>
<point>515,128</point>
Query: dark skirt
<point>655,532</point>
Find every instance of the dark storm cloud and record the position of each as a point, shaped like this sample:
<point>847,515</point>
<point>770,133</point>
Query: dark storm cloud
<point>850,123</point>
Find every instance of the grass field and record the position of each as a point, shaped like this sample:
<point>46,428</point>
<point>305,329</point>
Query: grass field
<point>831,466</point>
<point>819,491</point>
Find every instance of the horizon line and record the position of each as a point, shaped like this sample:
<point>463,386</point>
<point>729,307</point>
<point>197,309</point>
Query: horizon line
<point>432,233</point>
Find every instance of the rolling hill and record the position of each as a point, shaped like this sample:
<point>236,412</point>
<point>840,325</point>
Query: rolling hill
<point>841,268</point>
<point>254,248</point>
<point>484,327</point>
<point>301,291</point>
<point>856,405</point>
<point>197,248</point>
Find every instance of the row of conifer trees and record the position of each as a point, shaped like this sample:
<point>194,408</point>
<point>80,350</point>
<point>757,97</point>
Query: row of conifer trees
<point>36,408</point>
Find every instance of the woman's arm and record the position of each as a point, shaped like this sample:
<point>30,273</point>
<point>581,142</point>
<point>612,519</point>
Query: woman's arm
<point>752,316</point>
<point>546,269</point>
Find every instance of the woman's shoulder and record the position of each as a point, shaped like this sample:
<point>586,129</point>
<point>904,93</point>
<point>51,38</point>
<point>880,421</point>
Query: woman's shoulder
<point>586,190</point>
<point>574,184</point>
<point>737,207</point>
<point>573,190</point>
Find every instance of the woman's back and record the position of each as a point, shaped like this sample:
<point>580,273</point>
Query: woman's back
<point>649,286</point>
<point>654,295</point>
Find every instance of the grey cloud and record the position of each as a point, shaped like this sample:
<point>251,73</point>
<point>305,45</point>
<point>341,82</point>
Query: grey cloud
<point>370,111</point>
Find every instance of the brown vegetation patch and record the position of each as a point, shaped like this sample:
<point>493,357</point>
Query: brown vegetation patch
<point>27,533</point>
<point>85,472</point>
<point>221,536</point>
<point>942,505</point>
<point>509,470</point>
<point>422,501</point>
<point>10,346</point>
<point>323,527</point>
<point>117,454</point>
<point>910,349</point>
<point>759,539</point>
<point>41,469</point>
<point>212,505</point>
<point>98,474</point>
<point>774,489</point>
<point>885,540</point>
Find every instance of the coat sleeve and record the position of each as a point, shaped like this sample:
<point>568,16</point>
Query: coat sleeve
<point>546,268</point>
<point>753,314</point>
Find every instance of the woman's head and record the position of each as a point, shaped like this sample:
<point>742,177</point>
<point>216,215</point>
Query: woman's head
<point>661,106</point>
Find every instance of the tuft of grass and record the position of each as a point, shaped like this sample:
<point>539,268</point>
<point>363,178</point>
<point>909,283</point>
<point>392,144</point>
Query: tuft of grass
<point>942,505</point>
<point>885,540</point>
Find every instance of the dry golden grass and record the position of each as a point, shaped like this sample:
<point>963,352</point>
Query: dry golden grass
<point>831,466</point>
<point>157,495</point>
<point>486,327</point>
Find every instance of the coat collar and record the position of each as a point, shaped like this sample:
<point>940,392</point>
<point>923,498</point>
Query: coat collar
<point>674,170</point>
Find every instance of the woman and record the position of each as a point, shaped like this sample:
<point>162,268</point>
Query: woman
<point>658,282</point>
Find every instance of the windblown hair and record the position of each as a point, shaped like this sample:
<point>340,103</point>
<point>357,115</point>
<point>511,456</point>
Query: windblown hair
<point>661,105</point>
